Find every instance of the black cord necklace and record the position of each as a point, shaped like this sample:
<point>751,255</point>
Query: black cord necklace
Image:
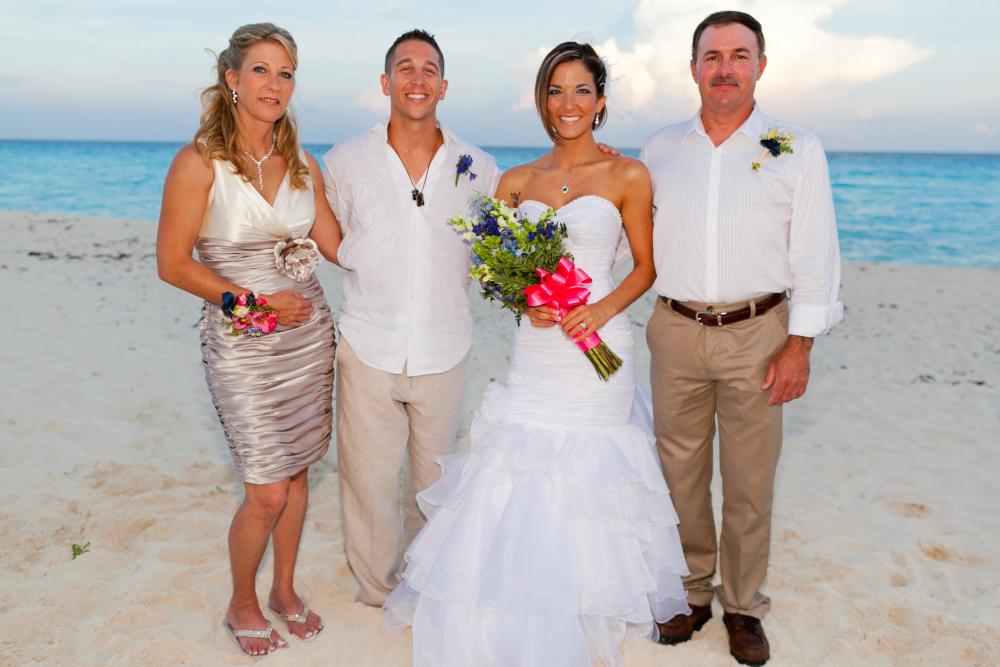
<point>418,195</point>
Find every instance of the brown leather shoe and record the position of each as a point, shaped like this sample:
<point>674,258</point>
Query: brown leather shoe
<point>747,642</point>
<point>682,626</point>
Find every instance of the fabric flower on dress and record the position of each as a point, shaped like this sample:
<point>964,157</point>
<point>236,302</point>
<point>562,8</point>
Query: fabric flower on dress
<point>296,258</point>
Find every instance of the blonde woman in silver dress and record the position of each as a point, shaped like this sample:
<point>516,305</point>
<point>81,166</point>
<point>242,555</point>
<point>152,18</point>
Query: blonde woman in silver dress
<point>251,202</point>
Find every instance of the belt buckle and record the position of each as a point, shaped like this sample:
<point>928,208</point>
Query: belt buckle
<point>709,313</point>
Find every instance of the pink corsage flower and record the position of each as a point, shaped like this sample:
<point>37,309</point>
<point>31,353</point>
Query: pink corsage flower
<point>248,315</point>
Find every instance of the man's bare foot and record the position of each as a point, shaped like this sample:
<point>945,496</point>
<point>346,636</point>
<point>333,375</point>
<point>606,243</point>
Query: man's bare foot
<point>249,617</point>
<point>289,605</point>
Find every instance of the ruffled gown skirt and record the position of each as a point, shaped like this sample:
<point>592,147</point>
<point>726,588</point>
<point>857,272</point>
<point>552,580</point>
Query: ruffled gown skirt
<point>555,538</point>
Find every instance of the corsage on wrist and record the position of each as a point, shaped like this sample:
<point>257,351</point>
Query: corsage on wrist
<point>248,314</point>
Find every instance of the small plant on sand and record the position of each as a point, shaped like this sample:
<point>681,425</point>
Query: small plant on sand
<point>80,549</point>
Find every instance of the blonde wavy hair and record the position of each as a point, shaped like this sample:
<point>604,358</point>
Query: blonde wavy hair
<point>218,134</point>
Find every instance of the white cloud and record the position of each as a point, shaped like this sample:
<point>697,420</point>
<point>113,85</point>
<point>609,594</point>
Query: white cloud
<point>654,76</point>
<point>984,130</point>
<point>374,100</point>
<point>527,69</point>
<point>867,112</point>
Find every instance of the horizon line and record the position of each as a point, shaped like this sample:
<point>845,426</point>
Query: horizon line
<point>483,146</point>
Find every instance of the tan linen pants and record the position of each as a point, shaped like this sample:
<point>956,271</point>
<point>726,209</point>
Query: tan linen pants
<point>699,374</point>
<point>381,416</point>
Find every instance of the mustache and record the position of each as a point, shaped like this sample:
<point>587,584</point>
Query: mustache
<point>723,80</point>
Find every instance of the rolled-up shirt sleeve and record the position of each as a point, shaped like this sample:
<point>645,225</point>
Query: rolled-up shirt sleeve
<point>331,177</point>
<point>330,184</point>
<point>813,250</point>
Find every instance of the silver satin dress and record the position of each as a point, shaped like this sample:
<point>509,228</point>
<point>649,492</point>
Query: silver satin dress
<point>273,393</point>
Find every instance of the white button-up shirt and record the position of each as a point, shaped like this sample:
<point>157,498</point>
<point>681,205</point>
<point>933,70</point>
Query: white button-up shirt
<point>725,232</point>
<point>406,292</point>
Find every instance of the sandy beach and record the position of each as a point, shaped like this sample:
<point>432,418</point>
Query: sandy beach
<point>885,549</point>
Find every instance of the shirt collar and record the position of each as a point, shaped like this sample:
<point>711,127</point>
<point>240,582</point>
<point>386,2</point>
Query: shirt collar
<point>751,127</point>
<point>378,135</point>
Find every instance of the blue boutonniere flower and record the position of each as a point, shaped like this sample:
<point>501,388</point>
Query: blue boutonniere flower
<point>462,168</point>
<point>775,143</point>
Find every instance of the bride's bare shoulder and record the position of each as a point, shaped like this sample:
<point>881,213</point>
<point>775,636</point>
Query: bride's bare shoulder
<point>514,182</point>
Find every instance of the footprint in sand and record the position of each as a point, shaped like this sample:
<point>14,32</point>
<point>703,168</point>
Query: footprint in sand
<point>937,552</point>
<point>908,509</point>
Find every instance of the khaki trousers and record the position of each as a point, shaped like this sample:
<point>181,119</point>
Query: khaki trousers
<point>381,416</point>
<point>699,375</point>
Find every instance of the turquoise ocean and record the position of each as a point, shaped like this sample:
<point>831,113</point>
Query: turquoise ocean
<point>932,209</point>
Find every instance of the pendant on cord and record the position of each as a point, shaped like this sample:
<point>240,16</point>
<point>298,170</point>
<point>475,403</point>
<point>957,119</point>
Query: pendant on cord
<point>418,197</point>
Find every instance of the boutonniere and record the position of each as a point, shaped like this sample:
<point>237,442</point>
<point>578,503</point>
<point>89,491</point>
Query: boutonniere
<point>776,143</point>
<point>462,168</point>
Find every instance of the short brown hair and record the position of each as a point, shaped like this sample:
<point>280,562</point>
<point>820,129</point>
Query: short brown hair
<point>418,35</point>
<point>564,53</point>
<point>725,18</point>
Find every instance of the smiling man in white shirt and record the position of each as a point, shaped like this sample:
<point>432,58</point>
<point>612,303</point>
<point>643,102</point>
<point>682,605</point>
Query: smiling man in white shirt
<point>405,321</point>
<point>744,217</point>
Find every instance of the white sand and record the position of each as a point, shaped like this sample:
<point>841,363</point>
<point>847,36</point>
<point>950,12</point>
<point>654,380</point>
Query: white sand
<point>885,548</point>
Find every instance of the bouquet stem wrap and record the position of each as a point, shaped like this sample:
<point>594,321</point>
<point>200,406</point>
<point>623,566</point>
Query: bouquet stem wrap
<point>562,291</point>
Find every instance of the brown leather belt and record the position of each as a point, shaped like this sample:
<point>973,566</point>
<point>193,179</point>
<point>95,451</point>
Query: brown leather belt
<point>712,318</point>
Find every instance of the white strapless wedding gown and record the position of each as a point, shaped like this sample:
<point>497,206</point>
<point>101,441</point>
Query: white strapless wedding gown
<point>554,539</point>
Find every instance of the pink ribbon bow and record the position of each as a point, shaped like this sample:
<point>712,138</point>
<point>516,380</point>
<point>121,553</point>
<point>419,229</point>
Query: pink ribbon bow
<point>562,291</point>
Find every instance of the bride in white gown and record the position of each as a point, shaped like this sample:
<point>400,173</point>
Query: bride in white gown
<point>555,539</point>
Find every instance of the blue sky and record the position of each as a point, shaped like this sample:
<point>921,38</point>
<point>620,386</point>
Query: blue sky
<point>862,74</point>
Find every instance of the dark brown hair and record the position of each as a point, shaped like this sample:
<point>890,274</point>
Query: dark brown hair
<point>420,36</point>
<point>725,18</point>
<point>564,53</point>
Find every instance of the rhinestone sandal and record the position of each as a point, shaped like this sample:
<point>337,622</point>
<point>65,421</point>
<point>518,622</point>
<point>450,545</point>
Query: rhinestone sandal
<point>300,618</point>
<point>253,634</point>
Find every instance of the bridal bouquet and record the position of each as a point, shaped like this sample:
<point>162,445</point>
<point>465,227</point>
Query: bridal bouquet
<point>523,263</point>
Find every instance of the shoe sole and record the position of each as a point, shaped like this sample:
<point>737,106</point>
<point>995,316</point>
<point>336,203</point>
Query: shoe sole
<point>673,641</point>
<point>751,663</point>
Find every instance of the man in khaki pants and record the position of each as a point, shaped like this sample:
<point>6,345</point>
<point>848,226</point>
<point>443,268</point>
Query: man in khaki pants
<point>405,321</point>
<point>744,218</point>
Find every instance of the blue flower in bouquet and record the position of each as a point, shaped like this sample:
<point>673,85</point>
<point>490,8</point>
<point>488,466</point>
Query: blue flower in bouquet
<point>509,243</point>
<point>462,168</point>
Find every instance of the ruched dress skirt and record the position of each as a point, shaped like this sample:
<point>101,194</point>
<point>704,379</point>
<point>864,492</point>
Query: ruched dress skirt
<point>273,393</point>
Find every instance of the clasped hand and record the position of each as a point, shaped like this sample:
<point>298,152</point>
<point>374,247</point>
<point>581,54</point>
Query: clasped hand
<point>293,308</point>
<point>578,323</point>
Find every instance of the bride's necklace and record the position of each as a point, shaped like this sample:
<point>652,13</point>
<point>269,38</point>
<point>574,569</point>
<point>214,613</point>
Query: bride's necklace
<point>569,179</point>
<point>260,163</point>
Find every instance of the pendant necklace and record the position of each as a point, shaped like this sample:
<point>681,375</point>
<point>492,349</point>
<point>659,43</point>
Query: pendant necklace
<point>565,187</point>
<point>260,163</point>
<point>418,195</point>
